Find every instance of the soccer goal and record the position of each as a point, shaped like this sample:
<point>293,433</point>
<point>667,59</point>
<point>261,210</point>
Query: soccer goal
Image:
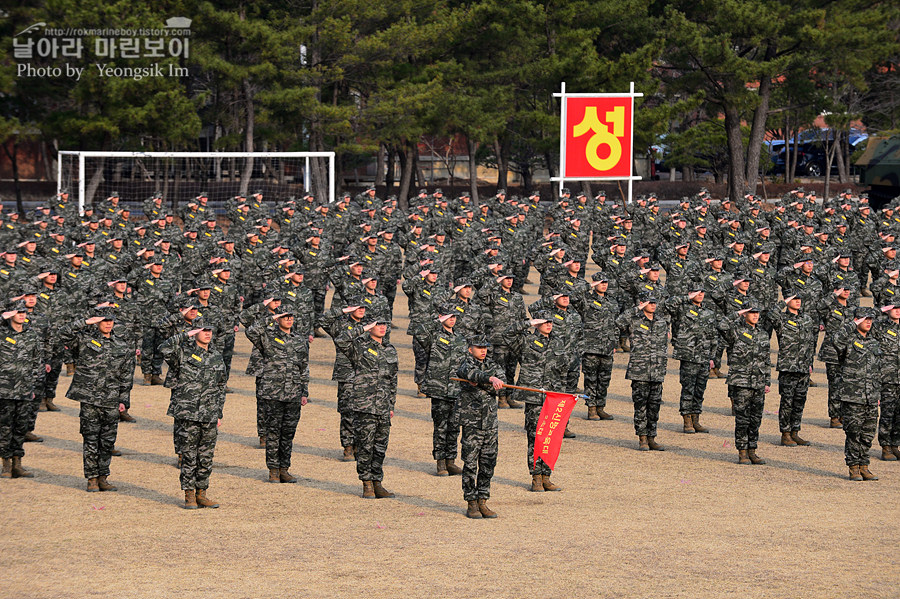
<point>180,176</point>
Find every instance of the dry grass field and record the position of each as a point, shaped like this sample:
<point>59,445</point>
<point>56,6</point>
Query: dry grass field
<point>688,522</point>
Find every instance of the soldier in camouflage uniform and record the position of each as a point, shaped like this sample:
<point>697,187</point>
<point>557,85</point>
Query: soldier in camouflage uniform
<point>648,331</point>
<point>103,354</point>
<point>284,384</point>
<point>833,313</point>
<point>21,353</point>
<point>797,334</point>
<point>601,335</point>
<point>888,329</point>
<point>373,394</point>
<point>446,350</point>
<point>478,417</point>
<point>694,345</point>
<point>336,322</point>
<point>748,378</point>
<point>860,362</point>
<point>153,294</point>
<point>199,396</point>
<point>505,319</point>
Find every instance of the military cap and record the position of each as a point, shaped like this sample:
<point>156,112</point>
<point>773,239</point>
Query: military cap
<point>479,341</point>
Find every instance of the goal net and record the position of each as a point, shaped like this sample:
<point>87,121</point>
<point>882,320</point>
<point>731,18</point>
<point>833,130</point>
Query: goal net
<point>181,176</point>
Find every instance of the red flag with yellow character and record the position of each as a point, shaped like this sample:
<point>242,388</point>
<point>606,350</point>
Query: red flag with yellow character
<point>551,426</point>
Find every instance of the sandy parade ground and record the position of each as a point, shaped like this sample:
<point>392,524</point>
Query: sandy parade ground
<point>687,522</point>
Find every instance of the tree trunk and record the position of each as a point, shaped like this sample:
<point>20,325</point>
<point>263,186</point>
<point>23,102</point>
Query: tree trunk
<point>735,154</point>
<point>502,152</point>
<point>14,162</point>
<point>248,135</point>
<point>586,189</point>
<point>829,159</point>
<point>842,166</point>
<point>389,177</point>
<point>551,170</point>
<point>406,163</point>
<point>417,168</point>
<point>473,170</point>
<point>379,166</point>
<point>91,188</point>
<point>795,154</point>
<point>758,128</point>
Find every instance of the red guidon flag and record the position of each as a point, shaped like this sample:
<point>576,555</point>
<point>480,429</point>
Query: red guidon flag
<point>551,426</point>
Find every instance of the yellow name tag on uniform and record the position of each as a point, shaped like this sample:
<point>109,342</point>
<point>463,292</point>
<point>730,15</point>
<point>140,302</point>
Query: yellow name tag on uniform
<point>539,344</point>
<point>713,279</point>
<point>460,309</point>
<point>892,333</point>
<point>219,289</point>
<point>570,283</point>
<point>748,335</point>
<point>791,322</point>
<point>645,327</point>
<point>503,299</point>
<point>445,341</point>
<point>196,357</point>
<point>95,342</point>
<point>838,312</point>
<point>598,304</point>
<point>858,344</point>
<point>558,317</point>
<point>426,292</point>
<point>11,340</point>
<point>738,301</point>
<point>277,340</point>
<point>801,281</point>
<point>149,282</point>
<point>695,313</point>
<point>292,294</point>
<point>45,296</point>
<point>372,351</point>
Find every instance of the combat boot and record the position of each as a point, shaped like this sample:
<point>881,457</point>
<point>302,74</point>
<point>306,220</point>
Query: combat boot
<point>567,434</point>
<point>887,455</point>
<point>642,443</point>
<point>603,414</point>
<point>754,459</point>
<point>653,445</point>
<point>262,443</point>
<point>866,293</point>
<point>115,452</point>
<point>190,500</point>
<point>18,471</point>
<point>442,468</point>
<point>286,476</point>
<point>592,413</point>
<point>697,426</point>
<point>896,451</point>
<point>787,440</point>
<point>156,380</point>
<point>719,374</point>
<point>203,500</point>
<point>712,374</point>
<point>7,468</point>
<point>380,491</point>
<point>92,485</point>
<point>147,383</point>
<point>70,369</point>
<point>51,407</point>
<point>854,473</point>
<point>452,468</point>
<point>866,473</point>
<point>537,483</point>
<point>104,484</point>
<point>30,437</point>
<point>124,416</point>
<point>513,403</point>
<point>368,490</point>
<point>795,435</point>
<point>485,510</point>
<point>688,424</point>
<point>502,402</point>
<point>743,458</point>
<point>549,486</point>
<point>835,423</point>
<point>274,475</point>
<point>472,510</point>
<point>348,454</point>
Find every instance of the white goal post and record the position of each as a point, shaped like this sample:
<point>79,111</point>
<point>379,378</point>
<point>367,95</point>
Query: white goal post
<point>180,176</point>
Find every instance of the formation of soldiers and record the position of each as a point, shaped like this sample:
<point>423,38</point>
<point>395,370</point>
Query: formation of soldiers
<point>103,292</point>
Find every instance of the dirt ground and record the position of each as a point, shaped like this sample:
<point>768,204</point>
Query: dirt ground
<point>688,522</point>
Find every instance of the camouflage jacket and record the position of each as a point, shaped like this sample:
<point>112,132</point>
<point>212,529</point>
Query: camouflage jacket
<point>505,316</point>
<point>544,363</point>
<point>649,342</point>
<point>797,335</point>
<point>22,357</point>
<point>373,388</point>
<point>299,300</point>
<point>748,353</point>
<point>336,323</point>
<point>477,404</point>
<point>860,363</point>
<point>153,295</point>
<point>470,318</point>
<point>833,316</point>
<point>888,333</point>
<point>256,314</point>
<point>103,366</point>
<point>601,334</point>
<point>199,391</point>
<point>447,350</point>
<point>228,299</point>
<point>285,368</point>
<point>697,334</point>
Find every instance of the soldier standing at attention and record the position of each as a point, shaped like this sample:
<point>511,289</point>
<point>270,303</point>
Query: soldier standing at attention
<point>373,392</point>
<point>283,386</point>
<point>198,396</point>
<point>601,335</point>
<point>748,378</point>
<point>859,359</point>
<point>23,368</point>
<point>797,334</point>
<point>646,370</point>
<point>889,422</point>
<point>102,357</point>
<point>478,416</point>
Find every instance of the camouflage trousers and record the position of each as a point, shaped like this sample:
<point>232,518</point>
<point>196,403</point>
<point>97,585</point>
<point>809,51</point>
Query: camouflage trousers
<point>572,375</point>
<point>346,427</point>
<point>197,453</point>
<point>151,358</point>
<point>228,352</point>
<point>748,411</point>
<point>505,358</point>
<point>597,371</point>
<point>125,398</point>
<point>99,427</point>
<point>647,398</point>
<point>319,300</point>
<point>15,416</point>
<point>532,415</point>
<point>520,274</point>
<point>47,388</point>
<point>889,422</point>
<point>390,294</point>
<point>793,387</point>
<point>420,353</point>
<point>260,411</point>
<point>860,422</point>
<point>479,455</point>
<point>32,417</point>
<point>282,418</point>
<point>445,415</point>
<point>178,436</point>
<point>371,433</point>
<point>832,371</point>
<point>693,377</point>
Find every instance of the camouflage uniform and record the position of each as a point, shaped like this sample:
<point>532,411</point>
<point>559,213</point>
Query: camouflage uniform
<point>199,396</point>
<point>372,396</point>
<point>447,350</point>
<point>21,354</point>
<point>797,335</point>
<point>101,379</point>
<point>336,323</point>
<point>478,417</point>
<point>646,366</point>
<point>834,316</point>
<point>748,376</point>
<point>859,358</point>
<point>694,344</point>
<point>153,295</point>
<point>601,335</point>
<point>505,315</point>
<point>889,421</point>
<point>283,382</point>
